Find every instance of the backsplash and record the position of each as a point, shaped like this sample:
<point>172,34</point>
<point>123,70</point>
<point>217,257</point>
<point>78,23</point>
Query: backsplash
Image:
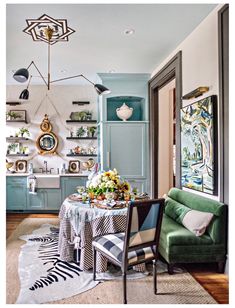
<point>57,104</point>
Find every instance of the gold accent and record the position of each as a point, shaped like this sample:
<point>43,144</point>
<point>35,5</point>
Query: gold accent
<point>48,33</point>
<point>43,142</point>
<point>195,93</point>
<point>46,126</point>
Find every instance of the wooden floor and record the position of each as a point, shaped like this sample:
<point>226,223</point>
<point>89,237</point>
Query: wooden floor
<point>215,284</point>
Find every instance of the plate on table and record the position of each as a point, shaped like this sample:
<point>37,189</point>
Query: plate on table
<point>110,206</point>
<point>142,196</point>
<point>75,197</point>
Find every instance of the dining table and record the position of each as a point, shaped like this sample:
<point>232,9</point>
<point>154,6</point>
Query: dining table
<point>80,222</point>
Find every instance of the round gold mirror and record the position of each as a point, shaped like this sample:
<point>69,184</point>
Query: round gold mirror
<point>47,142</point>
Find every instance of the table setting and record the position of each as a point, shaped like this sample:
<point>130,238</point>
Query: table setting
<point>97,209</point>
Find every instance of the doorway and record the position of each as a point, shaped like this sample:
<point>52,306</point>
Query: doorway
<point>165,86</point>
<point>166,138</point>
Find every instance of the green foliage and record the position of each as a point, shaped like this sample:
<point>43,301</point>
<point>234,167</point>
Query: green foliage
<point>13,115</point>
<point>80,131</point>
<point>91,130</point>
<point>23,131</point>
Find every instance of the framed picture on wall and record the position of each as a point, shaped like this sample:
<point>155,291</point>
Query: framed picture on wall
<point>16,116</point>
<point>199,146</point>
<point>74,166</point>
<point>21,166</point>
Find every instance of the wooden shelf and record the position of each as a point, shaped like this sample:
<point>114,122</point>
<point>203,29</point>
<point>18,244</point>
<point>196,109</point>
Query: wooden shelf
<point>13,103</point>
<point>85,155</point>
<point>81,138</point>
<point>81,121</point>
<point>16,155</point>
<point>13,121</point>
<point>81,103</point>
<point>16,139</point>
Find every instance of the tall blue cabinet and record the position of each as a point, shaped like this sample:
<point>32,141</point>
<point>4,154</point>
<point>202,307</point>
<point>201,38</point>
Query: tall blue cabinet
<point>124,145</point>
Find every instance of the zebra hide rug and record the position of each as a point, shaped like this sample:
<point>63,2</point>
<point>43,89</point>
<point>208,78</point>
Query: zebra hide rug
<point>45,278</point>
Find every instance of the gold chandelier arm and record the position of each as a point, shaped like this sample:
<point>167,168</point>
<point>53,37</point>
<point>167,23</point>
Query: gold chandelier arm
<point>32,63</point>
<point>81,75</point>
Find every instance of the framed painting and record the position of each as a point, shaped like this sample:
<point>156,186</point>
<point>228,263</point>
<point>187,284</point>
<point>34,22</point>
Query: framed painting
<point>199,146</point>
<point>16,116</point>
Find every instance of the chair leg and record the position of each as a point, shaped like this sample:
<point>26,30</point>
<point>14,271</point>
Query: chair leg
<point>155,276</point>
<point>170,269</point>
<point>124,287</point>
<point>221,266</point>
<point>94,263</point>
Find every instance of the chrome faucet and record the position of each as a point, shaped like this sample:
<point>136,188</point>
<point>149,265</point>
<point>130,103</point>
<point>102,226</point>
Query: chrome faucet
<point>46,170</point>
<point>45,163</point>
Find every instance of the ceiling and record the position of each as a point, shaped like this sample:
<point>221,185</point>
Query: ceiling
<point>99,44</point>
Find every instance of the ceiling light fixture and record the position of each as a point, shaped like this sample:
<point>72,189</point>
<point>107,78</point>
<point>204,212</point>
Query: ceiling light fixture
<point>50,31</point>
<point>129,31</point>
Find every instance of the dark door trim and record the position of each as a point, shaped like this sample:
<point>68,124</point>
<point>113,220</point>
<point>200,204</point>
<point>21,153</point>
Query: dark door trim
<point>172,70</point>
<point>223,32</point>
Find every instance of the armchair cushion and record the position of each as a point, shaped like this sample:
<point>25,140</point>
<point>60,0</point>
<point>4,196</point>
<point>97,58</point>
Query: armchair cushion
<point>112,245</point>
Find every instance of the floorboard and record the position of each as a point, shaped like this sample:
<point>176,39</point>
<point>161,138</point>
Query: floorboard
<point>215,284</point>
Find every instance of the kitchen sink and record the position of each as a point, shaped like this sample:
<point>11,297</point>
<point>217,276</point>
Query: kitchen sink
<point>47,180</point>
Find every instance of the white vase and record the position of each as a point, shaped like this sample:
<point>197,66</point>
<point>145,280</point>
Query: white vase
<point>124,112</point>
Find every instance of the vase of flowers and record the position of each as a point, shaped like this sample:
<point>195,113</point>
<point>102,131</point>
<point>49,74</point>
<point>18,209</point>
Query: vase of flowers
<point>108,185</point>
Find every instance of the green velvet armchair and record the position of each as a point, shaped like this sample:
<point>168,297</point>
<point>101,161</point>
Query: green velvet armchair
<point>179,245</point>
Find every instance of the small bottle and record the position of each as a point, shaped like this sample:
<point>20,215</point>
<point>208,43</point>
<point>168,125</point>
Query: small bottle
<point>30,168</point>
<point>63,169</point>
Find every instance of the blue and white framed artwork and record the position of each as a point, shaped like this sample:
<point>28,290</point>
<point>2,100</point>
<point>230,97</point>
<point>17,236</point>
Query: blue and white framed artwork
<point>199,145</point>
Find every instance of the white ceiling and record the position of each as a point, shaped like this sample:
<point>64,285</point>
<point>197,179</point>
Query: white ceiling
<point>99,44</point>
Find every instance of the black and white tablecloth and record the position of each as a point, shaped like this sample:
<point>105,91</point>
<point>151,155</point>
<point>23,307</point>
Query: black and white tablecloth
<point>79,224</point>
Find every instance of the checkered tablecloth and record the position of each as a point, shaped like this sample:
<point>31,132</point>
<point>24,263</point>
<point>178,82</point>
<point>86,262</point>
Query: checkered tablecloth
<point>100,223</point>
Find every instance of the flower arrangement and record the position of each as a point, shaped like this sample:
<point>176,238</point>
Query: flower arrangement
<point>108,182</point>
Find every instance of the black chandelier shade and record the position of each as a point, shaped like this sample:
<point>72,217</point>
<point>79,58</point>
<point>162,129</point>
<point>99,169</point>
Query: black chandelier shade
<point>24,94</point>
<point>100,89</point>
<point>21,75</point>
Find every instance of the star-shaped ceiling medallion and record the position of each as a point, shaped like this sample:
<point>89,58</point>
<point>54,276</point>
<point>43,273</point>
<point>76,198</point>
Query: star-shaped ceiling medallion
<point>36,28</point>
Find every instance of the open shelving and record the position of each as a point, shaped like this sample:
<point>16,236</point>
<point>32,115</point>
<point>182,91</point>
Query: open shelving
<point>16,155</point>
<point>85,155</point>
<point>81,138</point>
<point>9,139</point>
<point>81,121</point>
<point>16,121</point>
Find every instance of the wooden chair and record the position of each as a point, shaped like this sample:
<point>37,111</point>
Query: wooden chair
<point>138,244</point>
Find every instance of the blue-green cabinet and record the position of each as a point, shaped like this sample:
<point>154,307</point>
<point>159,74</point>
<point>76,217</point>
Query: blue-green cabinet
<point>124,145</point>
<point>69,184</point>
<point>36,201</point>
<point>124,148</point>
<point>16,193</point>
<point>45,199</point>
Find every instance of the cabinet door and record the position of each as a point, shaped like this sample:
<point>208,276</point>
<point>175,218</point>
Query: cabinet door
<point>16,193</point>
<point>53,199</point>
<point>69,184</point>
<point>37,201</point>
<point>126,149</point>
